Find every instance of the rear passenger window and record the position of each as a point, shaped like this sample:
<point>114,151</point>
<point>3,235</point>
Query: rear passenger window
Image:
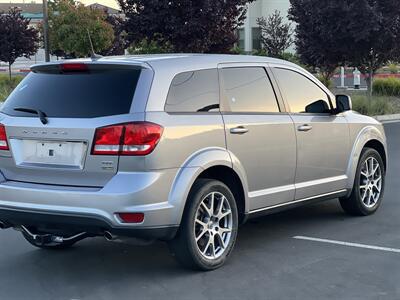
<point>249,90</point>
<point>302,95</point>
<point>196,91</point>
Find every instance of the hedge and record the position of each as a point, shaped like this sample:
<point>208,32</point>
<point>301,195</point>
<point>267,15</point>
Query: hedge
<point>6,86</point>
<point>387,87</point>
<point>376,106</point>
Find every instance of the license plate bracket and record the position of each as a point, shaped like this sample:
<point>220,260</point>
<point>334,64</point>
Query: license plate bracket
<point>58,154</point>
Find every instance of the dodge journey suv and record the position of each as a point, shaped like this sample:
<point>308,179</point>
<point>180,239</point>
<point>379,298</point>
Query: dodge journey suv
<point>179,148</point>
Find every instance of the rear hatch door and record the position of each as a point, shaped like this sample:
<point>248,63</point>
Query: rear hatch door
<point>51,117</point>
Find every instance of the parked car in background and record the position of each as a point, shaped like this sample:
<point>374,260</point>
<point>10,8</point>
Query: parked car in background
<point>181,148</point>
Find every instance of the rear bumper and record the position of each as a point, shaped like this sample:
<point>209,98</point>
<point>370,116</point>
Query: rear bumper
<point>94,209</point>
<point>68,223</point>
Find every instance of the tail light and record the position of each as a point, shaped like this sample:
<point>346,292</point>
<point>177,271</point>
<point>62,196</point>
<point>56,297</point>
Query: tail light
<point>3,138</point>
<point>73,67</point>
<point>136,138</point>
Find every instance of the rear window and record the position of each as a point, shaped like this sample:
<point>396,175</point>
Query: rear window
<point>95,93</point>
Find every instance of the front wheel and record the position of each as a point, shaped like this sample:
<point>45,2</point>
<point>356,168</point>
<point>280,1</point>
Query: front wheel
<point>369,185</point>
<point>209,225</point>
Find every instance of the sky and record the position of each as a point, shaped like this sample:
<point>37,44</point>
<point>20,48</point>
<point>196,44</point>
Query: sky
<point>110,3</point>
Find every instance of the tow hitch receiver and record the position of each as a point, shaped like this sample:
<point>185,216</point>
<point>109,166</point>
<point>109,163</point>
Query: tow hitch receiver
<point>51,239</point>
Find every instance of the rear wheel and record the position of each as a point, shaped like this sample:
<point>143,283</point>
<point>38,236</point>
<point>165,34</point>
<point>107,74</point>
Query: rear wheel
<point>208,230</point>
<point>369,185</point>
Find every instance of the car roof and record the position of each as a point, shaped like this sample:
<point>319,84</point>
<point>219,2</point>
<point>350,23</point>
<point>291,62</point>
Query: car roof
<point>211,60</point>
<point>176,61</point>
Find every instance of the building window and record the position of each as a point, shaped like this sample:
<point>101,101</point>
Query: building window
<point>241,38</point>
<point>256,35</point>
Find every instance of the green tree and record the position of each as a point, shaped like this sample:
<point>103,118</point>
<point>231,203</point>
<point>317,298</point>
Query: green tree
<point>147,46</point>
<point>69,24</point>
<point>276,34</point>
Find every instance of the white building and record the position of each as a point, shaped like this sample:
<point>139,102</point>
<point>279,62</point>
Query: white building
<point>249,35</point>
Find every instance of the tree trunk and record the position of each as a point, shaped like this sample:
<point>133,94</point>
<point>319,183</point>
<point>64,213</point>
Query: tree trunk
<point>9,70</point>
<point>327,76</point>
<point>371,82</point>
<point>369,78</point>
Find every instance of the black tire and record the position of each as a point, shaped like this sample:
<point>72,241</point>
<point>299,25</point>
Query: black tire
<point>184,246</point>
<point>61,246</point>
<point>354,204</point>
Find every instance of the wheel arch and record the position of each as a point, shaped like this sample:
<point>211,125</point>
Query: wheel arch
<point>380,148</point>
<point>369,136</point>
<point>232,180</point>
<point>211,163</point>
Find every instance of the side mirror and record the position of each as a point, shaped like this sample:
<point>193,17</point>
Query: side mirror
<point>343,103</point>
<point>318,107</point>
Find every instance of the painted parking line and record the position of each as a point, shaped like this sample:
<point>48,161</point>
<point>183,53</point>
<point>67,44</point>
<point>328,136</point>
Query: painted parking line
<point>347,244</point>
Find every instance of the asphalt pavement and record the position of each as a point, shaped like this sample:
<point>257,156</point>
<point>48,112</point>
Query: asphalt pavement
<point>336,257</point>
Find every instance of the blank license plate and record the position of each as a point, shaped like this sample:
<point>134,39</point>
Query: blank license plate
<point>62,154</point>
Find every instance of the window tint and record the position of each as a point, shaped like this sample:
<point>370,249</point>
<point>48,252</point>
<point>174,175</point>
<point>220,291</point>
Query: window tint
<point>194,92</point>
<point>81,95</point>
<point>249,90</point>
<point>302,95</point>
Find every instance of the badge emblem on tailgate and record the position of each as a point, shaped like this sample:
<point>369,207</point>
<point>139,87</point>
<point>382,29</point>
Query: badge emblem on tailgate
<point>107,165</point>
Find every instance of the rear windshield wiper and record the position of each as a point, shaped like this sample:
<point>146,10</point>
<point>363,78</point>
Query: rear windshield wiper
<point>42,115</point>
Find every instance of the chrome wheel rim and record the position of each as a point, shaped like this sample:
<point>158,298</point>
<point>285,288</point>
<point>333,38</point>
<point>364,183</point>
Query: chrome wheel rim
<point>213,225</point>
<point>370,182</point>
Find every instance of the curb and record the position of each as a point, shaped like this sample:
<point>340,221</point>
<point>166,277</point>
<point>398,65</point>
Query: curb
<point>388,118</point>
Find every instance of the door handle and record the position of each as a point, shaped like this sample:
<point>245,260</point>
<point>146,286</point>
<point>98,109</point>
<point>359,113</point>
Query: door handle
<point>304,128</point>
<point>239,130</point>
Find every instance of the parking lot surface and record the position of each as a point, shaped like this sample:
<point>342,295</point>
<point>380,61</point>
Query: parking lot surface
<point>313,252</point>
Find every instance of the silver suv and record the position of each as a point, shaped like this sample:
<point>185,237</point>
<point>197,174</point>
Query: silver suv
<point>181,148</point>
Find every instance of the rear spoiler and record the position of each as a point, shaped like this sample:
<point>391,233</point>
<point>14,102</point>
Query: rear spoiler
<point>86,65</point>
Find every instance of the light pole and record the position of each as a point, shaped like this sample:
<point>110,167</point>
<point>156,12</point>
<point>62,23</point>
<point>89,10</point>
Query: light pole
<point>46,31</point>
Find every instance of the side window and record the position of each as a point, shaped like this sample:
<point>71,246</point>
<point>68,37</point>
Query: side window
<point>302,95</point>
<point>196,91</point>
<point>249,90</point>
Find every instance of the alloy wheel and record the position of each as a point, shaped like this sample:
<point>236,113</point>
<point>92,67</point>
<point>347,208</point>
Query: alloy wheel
<point>370,182</point>
<point>213,225</point>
